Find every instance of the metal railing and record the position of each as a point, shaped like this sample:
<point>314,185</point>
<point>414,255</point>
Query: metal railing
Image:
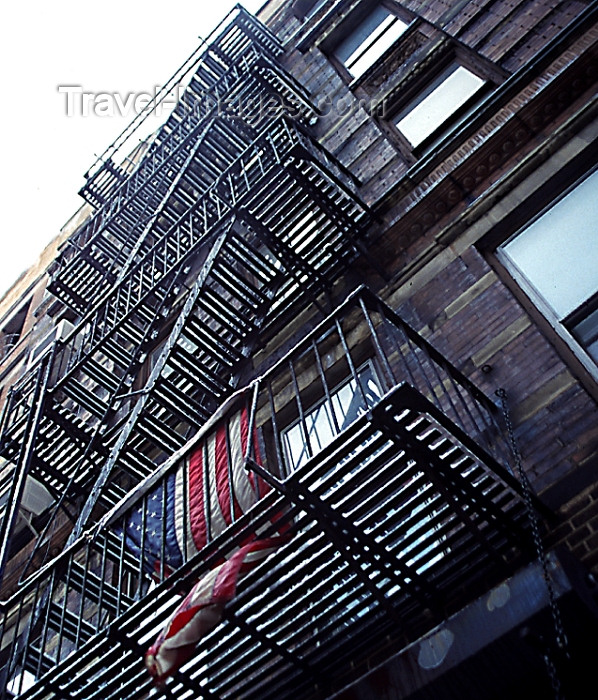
<point>232,37</point>
<point>349,393</point>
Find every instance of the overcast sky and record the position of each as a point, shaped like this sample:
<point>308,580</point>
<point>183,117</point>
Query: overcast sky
<point>113,46</point>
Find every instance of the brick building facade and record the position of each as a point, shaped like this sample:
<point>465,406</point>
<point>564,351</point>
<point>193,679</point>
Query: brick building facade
<point>372,223</point>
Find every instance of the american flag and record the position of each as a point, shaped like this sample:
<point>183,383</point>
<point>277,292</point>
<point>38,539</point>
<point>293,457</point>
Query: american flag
<point>202,609</point>
<point>208,489</point>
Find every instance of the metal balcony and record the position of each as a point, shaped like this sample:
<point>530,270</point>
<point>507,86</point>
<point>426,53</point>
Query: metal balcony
<point>228,43</point>
<point>234,261</point>
<point>386,465</point>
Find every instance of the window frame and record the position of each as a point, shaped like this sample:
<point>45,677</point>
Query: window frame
<point>351,24</point>
<point>369,365</point>
<point>413,90</point>
<point>524,289</point>
<point>457,113</point>
<point>303,10</point>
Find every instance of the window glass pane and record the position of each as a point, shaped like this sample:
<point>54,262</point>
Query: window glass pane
<point>586,334</point>
<point>369,40</point>
<point>328,418</point>
<point>558,253</point>
<point>437,104</point>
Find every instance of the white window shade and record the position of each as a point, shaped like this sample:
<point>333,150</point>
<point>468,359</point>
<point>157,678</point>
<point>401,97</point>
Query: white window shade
<point>558,253</point>
<point>437,103</point>
<point>554,260</point>
<point>369,40</point>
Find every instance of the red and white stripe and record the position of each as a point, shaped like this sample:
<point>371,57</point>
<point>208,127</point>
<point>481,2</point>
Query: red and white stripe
<point>202,609</point>
<point>208,470</point>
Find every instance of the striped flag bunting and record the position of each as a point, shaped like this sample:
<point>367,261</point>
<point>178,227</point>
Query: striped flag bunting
<point>205,493</point>
<point>187,503</point>
<point>202,609</point>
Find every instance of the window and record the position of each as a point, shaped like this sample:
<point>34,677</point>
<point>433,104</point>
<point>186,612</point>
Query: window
<point>439,102</point>
<point>366,43</point>
<point>554,262</point>
<point>328,418</point>
<point>303,9</point>
<point>11,331</point>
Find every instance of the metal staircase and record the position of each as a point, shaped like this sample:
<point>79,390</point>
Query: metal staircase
<point>236,87</point>
<point>222,228</point>
<point>399,520</point>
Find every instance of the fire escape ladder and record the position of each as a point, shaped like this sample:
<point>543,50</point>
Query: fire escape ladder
<point>66,445</point>
<point>154,195</point>
<point>304,274</point>
<point>228,43</point>
<point>399,520</point>
<point>228,79</point>
<point>333,200</point>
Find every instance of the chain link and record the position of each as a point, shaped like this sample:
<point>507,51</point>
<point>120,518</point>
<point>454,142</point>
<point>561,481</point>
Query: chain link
<point>561,638</point>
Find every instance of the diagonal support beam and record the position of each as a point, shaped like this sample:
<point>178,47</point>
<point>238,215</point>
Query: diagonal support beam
<point>156,371</point>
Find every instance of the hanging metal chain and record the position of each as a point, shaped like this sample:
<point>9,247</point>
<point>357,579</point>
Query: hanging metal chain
<point>561,637</point>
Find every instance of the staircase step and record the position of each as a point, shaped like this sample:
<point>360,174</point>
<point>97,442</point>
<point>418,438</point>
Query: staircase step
<point>102,375</point>
<point>159,433</point>
<point>84,398</point>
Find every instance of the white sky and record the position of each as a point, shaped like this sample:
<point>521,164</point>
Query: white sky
<point>114,46</point>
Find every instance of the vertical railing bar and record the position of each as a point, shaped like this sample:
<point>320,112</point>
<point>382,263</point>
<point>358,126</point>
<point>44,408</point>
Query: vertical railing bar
<point>82,594</point>
<point>46,621</point>
<point>144,509</point>
<point>395,332</point>
<point>121,565</point>
<point>186,507</point>
<point>250,448</point>
<point>276,433</point>
<point>446,391</point>
<point>413,349</point>
<point>456,387</point>
<point>67,579</point>
<point>7,403</point>
<point>390,377</point>
<point>10,665</point>
<point>102,581</point>
<point>24,641</point>
<point>229,470</point>
<point>325,385</point>
<point>352,368</point>
<point>489,433</point>
<point>302,422</point>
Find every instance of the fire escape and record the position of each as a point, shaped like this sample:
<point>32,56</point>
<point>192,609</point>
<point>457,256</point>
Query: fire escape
<point>402,515</point>
<point>171,280</point>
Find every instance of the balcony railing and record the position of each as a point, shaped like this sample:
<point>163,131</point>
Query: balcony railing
<point>101,354</point>
<point>382,459</point>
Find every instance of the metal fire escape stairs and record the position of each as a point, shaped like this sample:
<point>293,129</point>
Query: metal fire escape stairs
<point>238,69</point>
<point>220,240</point>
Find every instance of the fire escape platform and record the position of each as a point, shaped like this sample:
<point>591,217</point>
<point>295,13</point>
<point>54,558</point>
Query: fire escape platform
<point>398,526</point>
